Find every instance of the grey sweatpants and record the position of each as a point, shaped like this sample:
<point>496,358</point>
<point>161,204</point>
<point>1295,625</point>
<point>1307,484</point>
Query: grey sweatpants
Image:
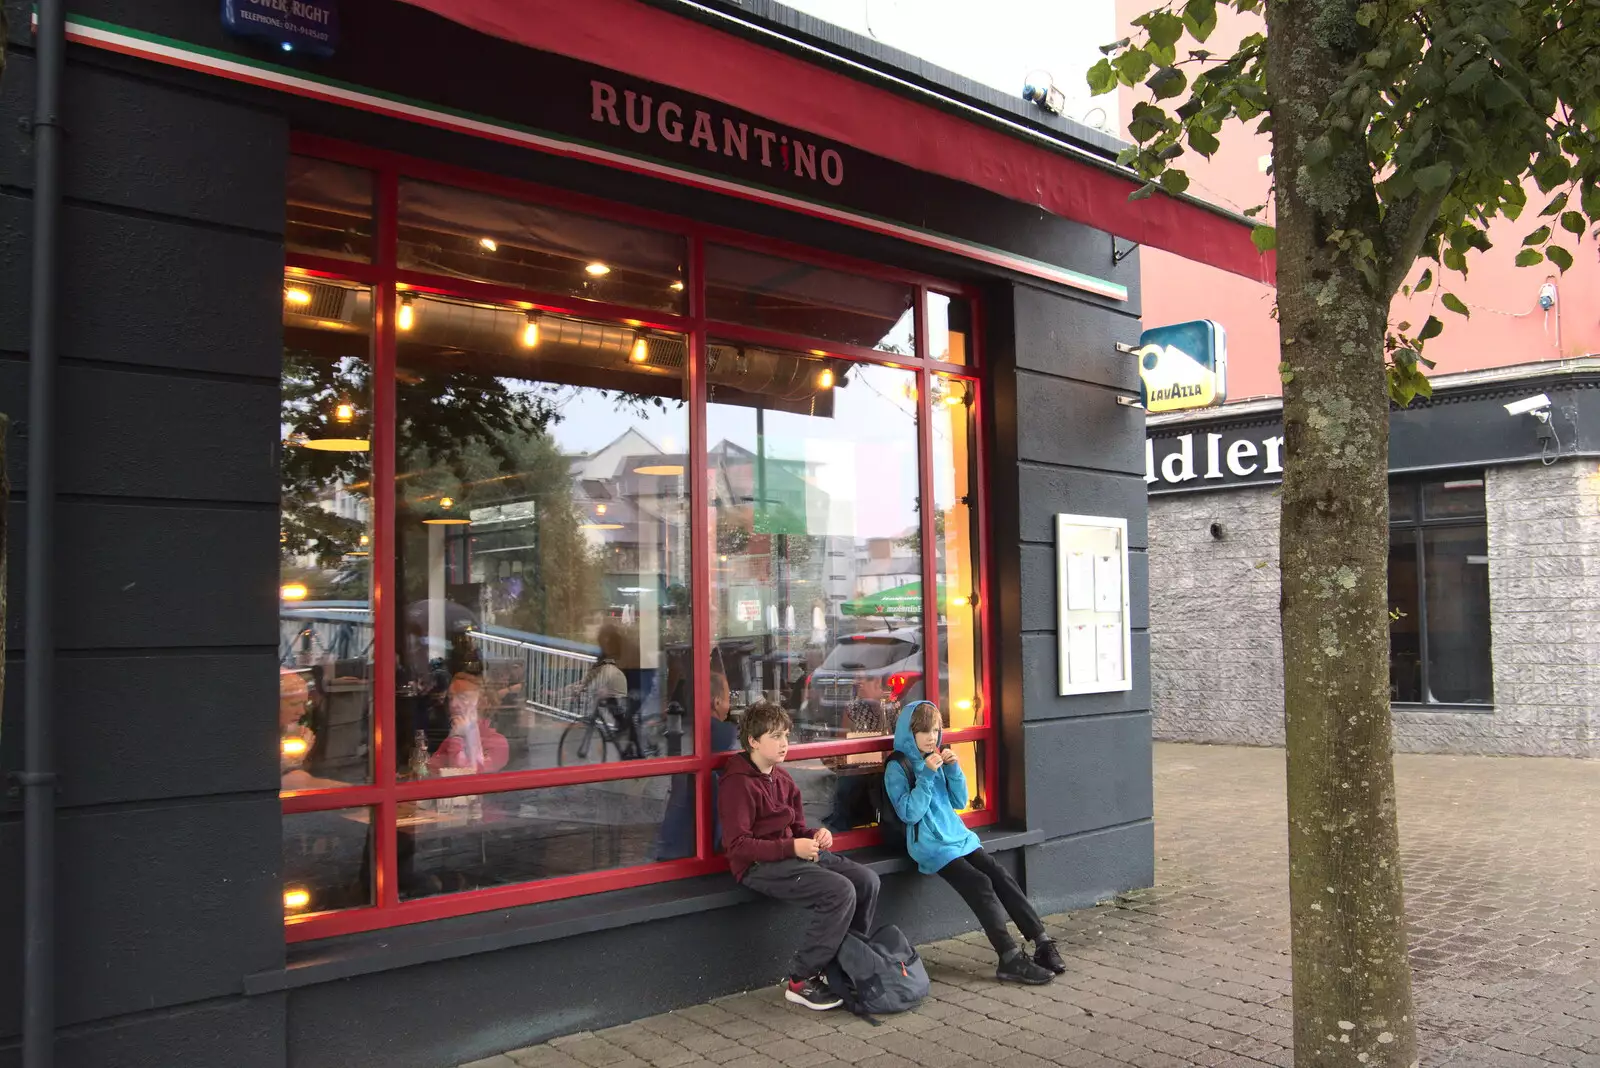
<point>841,894</point>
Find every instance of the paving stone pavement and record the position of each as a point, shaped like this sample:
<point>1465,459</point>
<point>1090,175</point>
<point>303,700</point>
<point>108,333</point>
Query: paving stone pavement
<point>1502,867</point>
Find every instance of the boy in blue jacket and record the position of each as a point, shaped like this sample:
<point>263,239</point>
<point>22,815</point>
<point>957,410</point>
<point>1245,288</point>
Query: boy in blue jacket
<point>944,846</point>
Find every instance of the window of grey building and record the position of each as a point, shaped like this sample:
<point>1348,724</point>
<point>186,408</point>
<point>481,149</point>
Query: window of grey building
<point>1439,592</point>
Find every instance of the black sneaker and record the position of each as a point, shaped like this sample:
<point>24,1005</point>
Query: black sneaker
<point>1015,967</point>
<point>812,993</point>
<point>1045,955</point>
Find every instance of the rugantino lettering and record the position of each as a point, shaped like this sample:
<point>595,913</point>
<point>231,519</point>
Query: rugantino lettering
<point>667,120</point>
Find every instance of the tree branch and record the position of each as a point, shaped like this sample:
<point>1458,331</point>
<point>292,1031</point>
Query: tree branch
<point>1405,228</point>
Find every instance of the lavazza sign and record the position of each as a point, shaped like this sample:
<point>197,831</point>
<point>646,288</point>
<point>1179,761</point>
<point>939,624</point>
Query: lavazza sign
<point>1213,459</point>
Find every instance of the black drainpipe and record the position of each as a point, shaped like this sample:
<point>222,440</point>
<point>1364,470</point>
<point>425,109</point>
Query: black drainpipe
<point>38,777</point>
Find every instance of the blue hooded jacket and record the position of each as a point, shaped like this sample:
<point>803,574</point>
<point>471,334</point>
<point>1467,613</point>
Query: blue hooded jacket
<point>935,835</point>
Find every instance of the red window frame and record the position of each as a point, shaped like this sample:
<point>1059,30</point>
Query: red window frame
<point>386,791</point>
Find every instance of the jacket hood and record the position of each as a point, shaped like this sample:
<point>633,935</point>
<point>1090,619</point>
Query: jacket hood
<point>905,741</point>
<point>743,765</point>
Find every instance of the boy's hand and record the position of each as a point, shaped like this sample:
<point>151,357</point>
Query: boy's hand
<point>824,838</point>
<point>806,848</point>
<point>947,755</point>
<point>934,762</point>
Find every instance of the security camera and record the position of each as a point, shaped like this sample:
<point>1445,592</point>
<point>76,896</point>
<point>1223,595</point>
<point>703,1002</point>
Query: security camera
<point>1534,406</point>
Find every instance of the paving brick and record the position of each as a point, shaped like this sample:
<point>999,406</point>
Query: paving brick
<point>1195,972</point>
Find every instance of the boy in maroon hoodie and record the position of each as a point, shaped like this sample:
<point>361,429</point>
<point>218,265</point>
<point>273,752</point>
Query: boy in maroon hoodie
<point>772,852</point>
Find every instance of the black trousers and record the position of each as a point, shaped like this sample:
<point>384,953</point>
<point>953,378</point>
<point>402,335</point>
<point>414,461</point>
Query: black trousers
<point>841,894</point>
<point>991,893</point>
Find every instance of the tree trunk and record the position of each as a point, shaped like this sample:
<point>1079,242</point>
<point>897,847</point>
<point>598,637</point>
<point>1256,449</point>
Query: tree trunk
<point>1352,979</point>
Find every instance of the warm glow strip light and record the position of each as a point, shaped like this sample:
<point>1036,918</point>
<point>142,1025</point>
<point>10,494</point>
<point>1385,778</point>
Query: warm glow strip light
<point>598,270</point>
<point>530,332</point>
<point>294,591</point>
<point>408,314</point>
<point>296,295</point>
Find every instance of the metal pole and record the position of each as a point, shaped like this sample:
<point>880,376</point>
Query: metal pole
<point>38,777</point>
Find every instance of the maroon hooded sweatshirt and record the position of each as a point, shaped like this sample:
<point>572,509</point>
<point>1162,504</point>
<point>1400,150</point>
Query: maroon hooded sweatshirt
<point>761,815</point>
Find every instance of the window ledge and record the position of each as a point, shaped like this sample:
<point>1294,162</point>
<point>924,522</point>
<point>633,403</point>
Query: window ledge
<point>423,943</point>
<point>1480,710</point>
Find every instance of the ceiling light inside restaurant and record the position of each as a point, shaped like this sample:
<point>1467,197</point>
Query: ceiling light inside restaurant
<point>677,287</point>
<point>641,350</point>
<point>599,509</point>
<point>489,244</point>
<point>598,269</point>
<point>530,331</point>
<point>297,296</point>
<point>294,591</point>
<point>293,746</point>
<point>825,378</point>
<point>296,898</point>
<point>408,314</point>
<point>343,413</point>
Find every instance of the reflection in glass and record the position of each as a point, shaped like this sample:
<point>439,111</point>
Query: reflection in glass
<point>542,535</point>
<point>1457,585</point>
<point>949,328</point>
<point>955,534</point>
<point>816,593</point>
<point>464,234</point>
<point>325,609</point>
<point>1402,502</point>
<point>1453,497</point>
<point>755,289</point>
<point>840,793</point>
<point>1405,620</point>
<point>470,843</point>
<point>329,211</point>
<point>327,861</point>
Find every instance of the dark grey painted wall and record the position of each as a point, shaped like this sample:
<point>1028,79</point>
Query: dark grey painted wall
<point>167,558</point>
<point>1079,767</point>
<point>170,828</point>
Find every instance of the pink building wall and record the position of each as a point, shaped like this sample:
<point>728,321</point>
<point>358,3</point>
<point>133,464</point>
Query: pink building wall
<point>1507,326</point>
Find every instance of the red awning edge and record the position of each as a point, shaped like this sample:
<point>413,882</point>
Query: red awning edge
<point>700,59</point>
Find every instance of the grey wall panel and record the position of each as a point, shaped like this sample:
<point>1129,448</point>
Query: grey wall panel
<point>159,906</point>
<point>1041,682</point>
<point>168,904</point>
<point>213,303</point>
<point>136,143</point>
<point>1089,773</point>
<point>1077,425</point>
<point>1074,339</point>
<point>135,576</point>
<point>236,1032</point>
<point>1037,591</point>
<point>144,728</point>
<point>1076,872</point>
<point>1046,491</point>
<point>129,434</point>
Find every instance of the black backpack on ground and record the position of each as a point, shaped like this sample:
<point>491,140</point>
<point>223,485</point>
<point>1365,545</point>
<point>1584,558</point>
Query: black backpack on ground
<point>890,825</point>
<point>878,975</point>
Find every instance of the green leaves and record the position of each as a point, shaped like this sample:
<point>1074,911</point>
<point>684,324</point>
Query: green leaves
<point>1102,79</point>
<point>1431,329</point>
<point>1166,83</point>
<point>1200,18</point>
<point>1456,304</point>
<point>1174,181</point>
<point>1538,237</point>
<point>1265,238</point>
<point>1560,257</point>
<point>1433,178</point>
<point>1573,223</point>
<point>1529,257</point>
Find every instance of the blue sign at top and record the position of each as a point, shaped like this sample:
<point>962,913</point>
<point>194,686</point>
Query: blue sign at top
<point>294,25</point>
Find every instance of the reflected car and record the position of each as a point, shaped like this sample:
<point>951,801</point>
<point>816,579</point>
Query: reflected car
<point>892,658</point>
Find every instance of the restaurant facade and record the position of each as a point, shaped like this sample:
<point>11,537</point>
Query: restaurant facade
<point>511,395</point>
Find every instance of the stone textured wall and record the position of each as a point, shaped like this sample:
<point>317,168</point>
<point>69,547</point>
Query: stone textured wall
<point>1216,658</point>
<point>1215,649</point>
